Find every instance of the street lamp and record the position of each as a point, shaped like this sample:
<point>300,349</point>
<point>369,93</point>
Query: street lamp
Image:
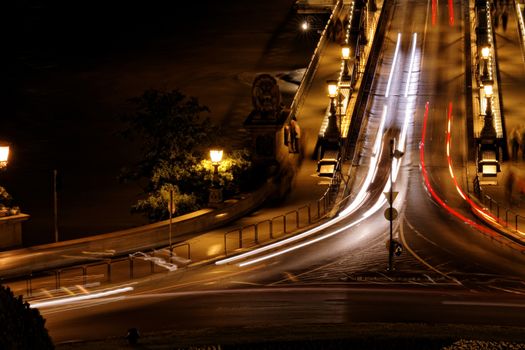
<point>485,53</point>
<point>332,131</point>
<point>392,213</point>
<point>345,54</point>
<point>215,191</point>
<point>488,89</point>
<point>4,155</point>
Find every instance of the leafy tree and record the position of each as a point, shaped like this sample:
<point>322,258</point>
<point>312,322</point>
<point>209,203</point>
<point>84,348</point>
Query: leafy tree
<point>175,139</point>
<point>21,327</point>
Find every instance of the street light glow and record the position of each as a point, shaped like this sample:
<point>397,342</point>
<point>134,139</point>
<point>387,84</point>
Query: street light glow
<point>487,88</point>
<point>485,51</point>
<point>216,155</point>
<point>304,26</point>
<point>4,155</point>
<point>345,52</point>
<point>332,88</point>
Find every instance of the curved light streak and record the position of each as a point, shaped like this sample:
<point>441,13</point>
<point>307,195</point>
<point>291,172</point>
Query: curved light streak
<point>358,200</point>
<point>363,192</point>
<point>431,189</point>
<point>487,215</point>
<point>80,297</point>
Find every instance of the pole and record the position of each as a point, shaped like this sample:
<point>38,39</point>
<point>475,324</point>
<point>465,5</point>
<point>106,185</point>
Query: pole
<point>55,204</point>
<point>391,194</point>
<point>171,211</point>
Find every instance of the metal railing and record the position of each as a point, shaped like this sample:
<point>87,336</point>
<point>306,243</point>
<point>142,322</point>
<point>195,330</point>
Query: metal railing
<point>278,226</point>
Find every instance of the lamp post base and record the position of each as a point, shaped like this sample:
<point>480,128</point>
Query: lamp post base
<point>215,198</point>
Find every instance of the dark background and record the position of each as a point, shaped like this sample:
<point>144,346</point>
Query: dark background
<point>72,66</point>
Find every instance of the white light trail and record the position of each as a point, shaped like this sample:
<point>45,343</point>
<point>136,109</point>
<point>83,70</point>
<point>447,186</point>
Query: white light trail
<point>398,45</point>
<point>358,200</point>
<point>80,297</point>
<point>363,193</point>
<point>414,41</point>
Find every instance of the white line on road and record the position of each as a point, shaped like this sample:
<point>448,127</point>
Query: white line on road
<point>481,303</point>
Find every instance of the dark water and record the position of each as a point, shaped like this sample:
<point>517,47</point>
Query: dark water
<point>72,65</point>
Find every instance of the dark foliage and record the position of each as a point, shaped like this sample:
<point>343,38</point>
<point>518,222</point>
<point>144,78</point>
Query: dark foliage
<point>175,139</point>
<point>21,327</point>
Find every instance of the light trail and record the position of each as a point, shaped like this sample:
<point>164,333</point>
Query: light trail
<point>431,190</point>
<point>487,215</point>
<point>434,12</point>
<point>359,199</point>
<point>63,301</point>
<point>414,41</point>
<point>398,45</point>
<point>363,192</point>
<point>450,13</point>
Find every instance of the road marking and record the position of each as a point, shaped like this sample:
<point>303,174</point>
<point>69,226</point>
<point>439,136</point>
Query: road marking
<point>481,303</point>
<point>508,290</point>
<point>46,292</point>
<point>291,276</point>
<point>82,289</point>
<point>67,290</point>
<point>405,244</point>
<point>246,283</point>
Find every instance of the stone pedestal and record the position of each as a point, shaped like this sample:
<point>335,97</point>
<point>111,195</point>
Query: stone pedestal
<point>215,198</point>
<point>266,119</point>
<point>11,230</point>
<point>265,137</point>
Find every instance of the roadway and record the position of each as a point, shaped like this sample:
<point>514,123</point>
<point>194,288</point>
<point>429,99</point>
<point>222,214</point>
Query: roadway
<point>450,271</point>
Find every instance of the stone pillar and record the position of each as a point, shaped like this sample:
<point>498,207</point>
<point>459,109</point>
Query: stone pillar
<point>266,120</point>
<point>11,230</point>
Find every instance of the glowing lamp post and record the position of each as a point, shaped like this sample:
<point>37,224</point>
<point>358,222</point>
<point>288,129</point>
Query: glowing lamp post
<point>485,53</point>
<point>345,54</point>
<point>332,131</point>
<point>215,191</point>
<point>4,155</point>
<point>488,90</point>
<point>488,131</point>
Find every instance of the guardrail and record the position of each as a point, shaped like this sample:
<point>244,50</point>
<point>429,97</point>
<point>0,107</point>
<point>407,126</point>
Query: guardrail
<point>520,10</point>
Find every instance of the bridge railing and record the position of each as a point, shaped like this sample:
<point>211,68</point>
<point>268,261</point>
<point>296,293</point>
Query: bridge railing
<point>306,81</point>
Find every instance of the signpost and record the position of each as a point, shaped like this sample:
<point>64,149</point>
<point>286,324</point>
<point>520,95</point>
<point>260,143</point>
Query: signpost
<point>391,213</point>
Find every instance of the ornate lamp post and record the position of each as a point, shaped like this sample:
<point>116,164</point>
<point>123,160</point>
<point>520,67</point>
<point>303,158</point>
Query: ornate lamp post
<point>345,54</point>
<point>332,132</point>
<point>4,155</point>
<point>488,131</point>
<point>215,191</point>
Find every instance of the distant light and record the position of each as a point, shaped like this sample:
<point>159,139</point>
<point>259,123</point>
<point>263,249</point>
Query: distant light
<point>304,26</point>
<point>485,51</point>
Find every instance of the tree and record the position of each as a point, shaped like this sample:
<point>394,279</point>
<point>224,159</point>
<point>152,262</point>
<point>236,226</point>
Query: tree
<point>175,140</point>
<point>21,327</point>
